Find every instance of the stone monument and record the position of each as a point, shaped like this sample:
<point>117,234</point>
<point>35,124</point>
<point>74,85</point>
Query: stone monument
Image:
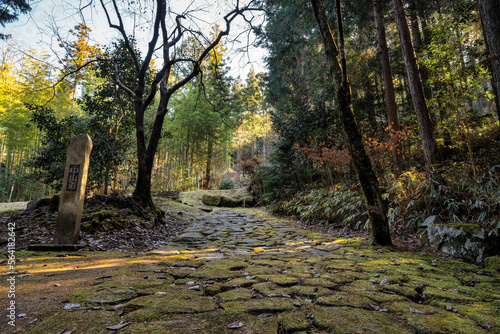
<point>73,190</point>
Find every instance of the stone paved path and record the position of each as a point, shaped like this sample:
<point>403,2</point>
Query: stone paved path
<point>236,273</point>
<point>231,233</point>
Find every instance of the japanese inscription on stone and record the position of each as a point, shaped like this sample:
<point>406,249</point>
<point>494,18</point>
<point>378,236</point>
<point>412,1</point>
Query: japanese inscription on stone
<point>74,172</point>
<point>69,215</point>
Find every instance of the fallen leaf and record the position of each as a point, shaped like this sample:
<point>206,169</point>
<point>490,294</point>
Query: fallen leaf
<point>384,282</point>
<point>71,306</point>
<point>412,310</point>
<point>119,326</point>
<point>235,325</point>
<point>484,325</point>
<point>65,331</point>
<point>24,275</point>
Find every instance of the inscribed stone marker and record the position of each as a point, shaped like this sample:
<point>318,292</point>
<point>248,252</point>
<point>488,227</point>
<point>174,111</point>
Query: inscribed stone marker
<point>73,190</point>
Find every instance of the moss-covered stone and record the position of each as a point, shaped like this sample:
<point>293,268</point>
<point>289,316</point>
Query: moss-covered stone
<point>59,322</point>
<point>269,289</point>
<point>283,280</point>
<point>404,290</point>
<point>346,299</point>
<point>240,282</point>
<point>449,295</point>
<point>212,200</point>
<point>492,263</point>
<point>294,322</point>
<point>107,293</point>
<point>259,306</point>
<point>487,313</point>
<point>217,274</point>
<point>348,320</point>
<point>472,241</point>
<point>228,202</point>
<point>235,294</point>
<point>173,303</point>
<point>325,283</point>
<point>434,321</point>
<point>309,292</point>
<point>212,289</point>
<point>101,220</point>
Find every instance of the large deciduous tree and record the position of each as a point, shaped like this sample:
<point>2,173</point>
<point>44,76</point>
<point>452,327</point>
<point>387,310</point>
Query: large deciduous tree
<point>490,18</point>
<point>377,209</point>
<point>166,36</point>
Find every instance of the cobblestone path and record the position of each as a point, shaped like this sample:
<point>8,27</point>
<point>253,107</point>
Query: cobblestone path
<point>226,233</point>
<point>236,273</point>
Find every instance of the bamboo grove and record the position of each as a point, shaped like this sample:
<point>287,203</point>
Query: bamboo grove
<point>215,126</point>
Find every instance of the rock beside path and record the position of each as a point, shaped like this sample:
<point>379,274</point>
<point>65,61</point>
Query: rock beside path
<point>13,206</point>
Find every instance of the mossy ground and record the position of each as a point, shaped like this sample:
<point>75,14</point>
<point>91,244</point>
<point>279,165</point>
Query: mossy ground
<point>343,292</point>
<point>335,286</point>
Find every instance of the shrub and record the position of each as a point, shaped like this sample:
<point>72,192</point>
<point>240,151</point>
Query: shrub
<point>226,184</point>
<point>460,199</point>
<point>342,206</point>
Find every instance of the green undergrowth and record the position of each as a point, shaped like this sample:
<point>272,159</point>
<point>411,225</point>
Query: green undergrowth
<point>341,205</point>
<point>411,198</point>
<point>458,198</point>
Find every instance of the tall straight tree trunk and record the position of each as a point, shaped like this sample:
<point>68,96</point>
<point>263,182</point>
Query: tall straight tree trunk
<point>415,29</point>
<point>417,90</point>
<point>106,178</point>
<point>490,19</point>
<point>208,170</point>
<point>390,96</point>
<point>377,210</point>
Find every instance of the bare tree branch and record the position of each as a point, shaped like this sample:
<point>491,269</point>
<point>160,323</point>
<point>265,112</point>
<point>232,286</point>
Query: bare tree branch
<point>121,85</point>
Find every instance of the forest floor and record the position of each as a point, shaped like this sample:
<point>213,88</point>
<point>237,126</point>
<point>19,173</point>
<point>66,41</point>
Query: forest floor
<point>240,270</point>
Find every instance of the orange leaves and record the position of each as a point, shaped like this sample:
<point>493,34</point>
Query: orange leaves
<point>320,153</point>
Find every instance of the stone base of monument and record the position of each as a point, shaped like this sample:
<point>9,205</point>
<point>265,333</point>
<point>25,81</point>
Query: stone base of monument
<point>56,248</point>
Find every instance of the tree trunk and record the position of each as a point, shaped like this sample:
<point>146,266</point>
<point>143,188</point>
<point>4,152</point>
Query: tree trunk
<point>377,210</point>
<point>106,179</point>
<point>417,91</point>
<point>146,156</point>
<point>390,96</point>
<point>415,30</point>
<point>490,14</point>
<point>208,169</point>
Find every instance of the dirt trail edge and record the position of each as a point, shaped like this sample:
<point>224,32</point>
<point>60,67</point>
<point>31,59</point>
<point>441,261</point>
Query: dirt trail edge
<point>231,272</point>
